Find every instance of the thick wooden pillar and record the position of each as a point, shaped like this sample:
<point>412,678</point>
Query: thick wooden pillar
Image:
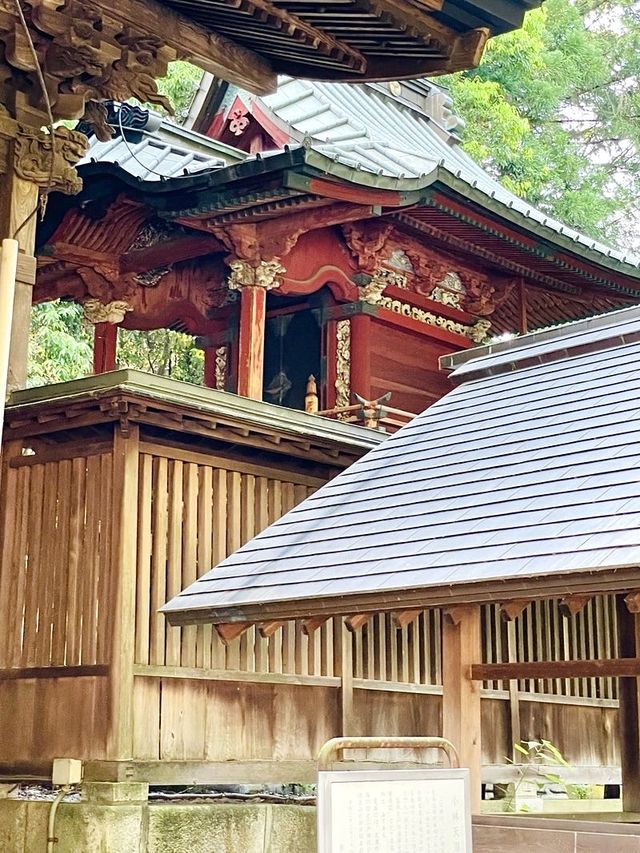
<point>105,345</point>
<point>253,310</point>
<point>629,711</point>
<point>122,591</point>
<point>25,169</point>
<point>461,647</point>
<point>18,202</point>
<point>252,279</point>
<point>361,355</point>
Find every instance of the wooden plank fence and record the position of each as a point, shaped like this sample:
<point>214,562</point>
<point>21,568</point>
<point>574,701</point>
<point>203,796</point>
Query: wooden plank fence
<point>63,581</point>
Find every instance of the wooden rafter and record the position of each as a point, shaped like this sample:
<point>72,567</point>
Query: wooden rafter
<point>211,52</point>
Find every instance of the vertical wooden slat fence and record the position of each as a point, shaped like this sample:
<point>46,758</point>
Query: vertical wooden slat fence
<point>93,533</point>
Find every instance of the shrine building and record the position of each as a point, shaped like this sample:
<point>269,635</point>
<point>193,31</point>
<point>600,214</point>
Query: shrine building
<point>329,248</point>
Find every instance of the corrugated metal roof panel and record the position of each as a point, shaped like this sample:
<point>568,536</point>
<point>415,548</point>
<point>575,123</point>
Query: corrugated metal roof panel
<point>500,479</point>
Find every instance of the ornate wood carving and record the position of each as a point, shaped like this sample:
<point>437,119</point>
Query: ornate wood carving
<point>477,333</point>
<point>101,312</point>
<point>343,363</point>
<point>222,356</point>
<point>367,242</point>
<point>376,245</point>
<point>44,159</point>
<point>264,274</point>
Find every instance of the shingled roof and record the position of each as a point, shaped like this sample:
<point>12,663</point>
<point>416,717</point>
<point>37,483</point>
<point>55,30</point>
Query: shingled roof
<point>524,480</point>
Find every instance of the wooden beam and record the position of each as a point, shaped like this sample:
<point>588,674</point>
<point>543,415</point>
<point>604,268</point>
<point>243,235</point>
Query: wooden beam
<point>163,254</point>
<point>229,631</point>
<point>628,626</point>
<point>461,645</point>
<point>510,610</point>
<point>573,604</point>
<point>405,617</point>
<point>212,52</point>
<point>309,626</point>
<point>356,622</point>
<point>612,667</point>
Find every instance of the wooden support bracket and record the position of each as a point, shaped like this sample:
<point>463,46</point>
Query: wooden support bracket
<point>405,617</point>
<point>312,624</point>
<point>633,602</point>
<point>455,614</point>
<point>510,610</point>
<point>356,622</point>
<point>267,629</point>
<point>229,631</point>
<point>573,604</point>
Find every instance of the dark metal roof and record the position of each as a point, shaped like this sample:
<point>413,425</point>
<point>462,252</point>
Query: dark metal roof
<point>150,148</point>
<point>525,478</point>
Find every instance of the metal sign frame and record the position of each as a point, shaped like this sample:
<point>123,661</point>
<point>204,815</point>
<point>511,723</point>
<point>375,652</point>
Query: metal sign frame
<point>331,782</point>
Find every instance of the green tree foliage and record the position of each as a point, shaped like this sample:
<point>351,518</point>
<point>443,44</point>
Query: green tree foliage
<point>180,86</point>
<point>60,345</point>
<point>61,348</point>
<point>163,352</point>
<point>553,111</point>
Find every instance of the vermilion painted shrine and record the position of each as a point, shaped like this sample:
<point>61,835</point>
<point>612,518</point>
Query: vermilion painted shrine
<point>353,240</point>
<point>323,230</point>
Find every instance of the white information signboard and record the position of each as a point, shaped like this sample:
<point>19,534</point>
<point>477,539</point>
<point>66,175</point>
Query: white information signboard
<point>394,811</point>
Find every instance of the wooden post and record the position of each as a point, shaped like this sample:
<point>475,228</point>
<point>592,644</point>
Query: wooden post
<point>343,667</point>
<point>461,647</point>
<point>105,345</point>
<point>252,280</point>
<point>628,713</point>
<point>18,202</point>
<point>514,693</point>
<point>361,355</point>
<point>26,167</point>
<point>8,272</point>
<point>122,592</point>
<point>253,306</point>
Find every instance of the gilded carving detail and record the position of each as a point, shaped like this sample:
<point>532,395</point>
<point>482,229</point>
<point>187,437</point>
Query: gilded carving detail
<point>343,364</point>
<point>221,368</point>
<point>477,333</point>
<point>101,312</point>
<point>265,274</point>
<point>34,151</point>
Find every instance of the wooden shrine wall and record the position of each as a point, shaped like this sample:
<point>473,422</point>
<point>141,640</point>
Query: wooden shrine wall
<point>405,362</point>
<point>96,536</point>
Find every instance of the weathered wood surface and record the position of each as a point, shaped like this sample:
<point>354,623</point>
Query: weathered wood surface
<point>92,533</point>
